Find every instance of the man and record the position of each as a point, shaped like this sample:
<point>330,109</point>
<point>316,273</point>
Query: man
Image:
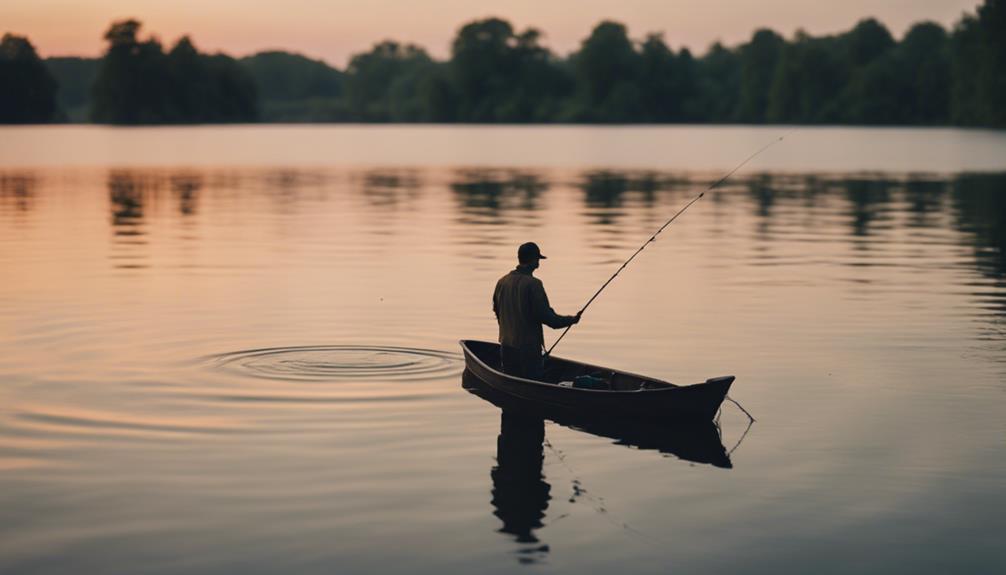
<point>521,308</point>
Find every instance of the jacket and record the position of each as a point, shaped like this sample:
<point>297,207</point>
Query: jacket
<point>521,307</point>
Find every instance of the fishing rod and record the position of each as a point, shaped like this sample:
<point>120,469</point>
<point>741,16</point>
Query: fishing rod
<point>657,233</point>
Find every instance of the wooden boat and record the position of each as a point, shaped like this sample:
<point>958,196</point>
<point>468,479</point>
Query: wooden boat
<point>628,395</point>
<point>687,439</point>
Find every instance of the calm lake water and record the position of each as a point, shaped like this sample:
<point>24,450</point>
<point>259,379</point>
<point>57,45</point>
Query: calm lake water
<point>234,350</point>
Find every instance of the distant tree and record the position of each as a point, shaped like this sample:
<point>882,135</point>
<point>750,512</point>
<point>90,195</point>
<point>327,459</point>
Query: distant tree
<point>237,96</point>
<point>662,91</point>
<point>686,85</point>
<point>979,67</point>
<point>438,96</point>
<point>866,42</point>
<point>924,59</point>
<point>500,75</point>
<point>481,67</point>
<point>807,79</point>
<point>606,69</point>
<point>405,93</point>
<point>383,84</point>
<point>28,93</point>
<point>294,88</point>
<point>992,24</point>
<point>866,56</point>
<point>209,88</point>
<point>759,59</point>
<point>137,83</point>
<point>284,76</point>
<point>718,88</point>
<point>132,82</point>
<point>876,94</point>
<point>75,77</point>
<point>191,89</point>
<point>539,82</point>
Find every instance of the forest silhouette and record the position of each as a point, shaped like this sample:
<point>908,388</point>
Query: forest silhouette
<point>498,74</point>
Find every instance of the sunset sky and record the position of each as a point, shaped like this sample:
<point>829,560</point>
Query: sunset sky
<point>335,29</point>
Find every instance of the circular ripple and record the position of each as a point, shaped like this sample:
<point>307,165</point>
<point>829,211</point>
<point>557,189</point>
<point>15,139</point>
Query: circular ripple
<point>341,362</point>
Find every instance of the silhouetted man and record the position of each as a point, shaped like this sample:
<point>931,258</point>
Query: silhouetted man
<point>521,308</point>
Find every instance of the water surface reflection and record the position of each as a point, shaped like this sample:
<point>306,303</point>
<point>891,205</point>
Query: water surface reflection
<point>520,494</point>
<point>520,490</point>
<point>863,314</point>
<point>17,192</point>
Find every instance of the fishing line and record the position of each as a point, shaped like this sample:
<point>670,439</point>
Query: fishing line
<point>653,237</point>
<point>597,502</point>
<point>734,401</point>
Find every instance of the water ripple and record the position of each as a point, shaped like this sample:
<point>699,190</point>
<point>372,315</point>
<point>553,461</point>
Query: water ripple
<point>340,363</point>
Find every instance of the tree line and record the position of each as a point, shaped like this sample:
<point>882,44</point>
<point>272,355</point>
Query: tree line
<point>137,82</point>
<point>498,74</point>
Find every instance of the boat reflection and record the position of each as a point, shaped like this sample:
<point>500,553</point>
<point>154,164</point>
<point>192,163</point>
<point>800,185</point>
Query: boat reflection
<point>696,441</point>
<point>520,492</point>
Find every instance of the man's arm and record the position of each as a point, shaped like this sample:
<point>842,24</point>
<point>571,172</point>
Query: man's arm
<point>544,312</point>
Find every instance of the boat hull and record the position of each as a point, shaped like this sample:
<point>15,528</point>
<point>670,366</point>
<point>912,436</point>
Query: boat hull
<point>654,399</point>
<point>689,439</point>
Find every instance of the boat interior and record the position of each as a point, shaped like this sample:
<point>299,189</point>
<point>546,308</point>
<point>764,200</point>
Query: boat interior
<point>558,370</point>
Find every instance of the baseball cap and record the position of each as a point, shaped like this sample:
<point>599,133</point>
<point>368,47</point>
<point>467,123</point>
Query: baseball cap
<point>529,251</point>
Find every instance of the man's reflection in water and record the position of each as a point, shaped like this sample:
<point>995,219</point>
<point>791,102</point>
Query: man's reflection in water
<point>520,493</point>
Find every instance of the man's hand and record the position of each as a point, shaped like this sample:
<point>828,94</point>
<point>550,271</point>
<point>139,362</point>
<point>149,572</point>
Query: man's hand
<point>576,318</point>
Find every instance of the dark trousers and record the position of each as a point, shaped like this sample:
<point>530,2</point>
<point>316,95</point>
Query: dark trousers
<point>522,361</point>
